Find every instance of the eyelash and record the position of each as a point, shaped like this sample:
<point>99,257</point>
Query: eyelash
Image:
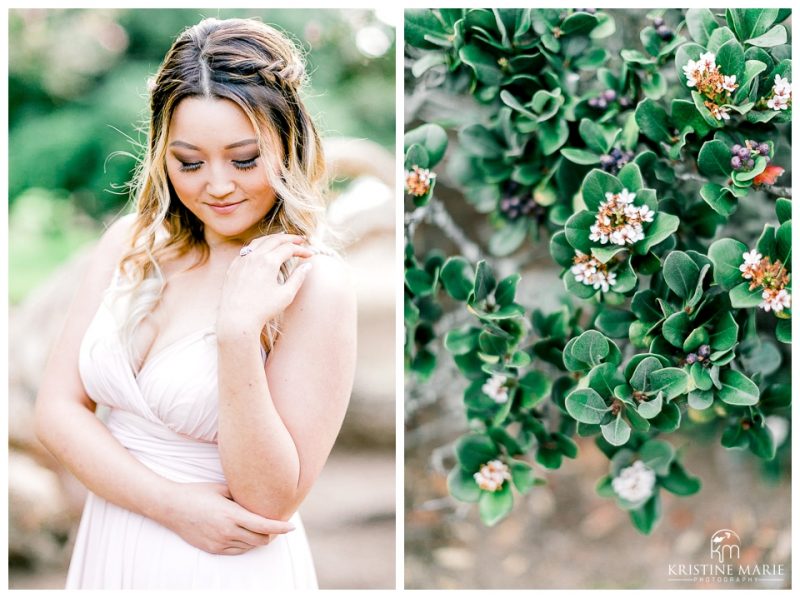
<point>238,164</point>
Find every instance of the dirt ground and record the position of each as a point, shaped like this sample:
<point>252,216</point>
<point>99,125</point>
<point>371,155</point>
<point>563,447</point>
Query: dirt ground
<point>350,526</point>
<point>563,535</point>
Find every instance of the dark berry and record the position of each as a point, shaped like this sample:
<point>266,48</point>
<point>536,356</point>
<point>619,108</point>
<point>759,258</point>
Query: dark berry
<point>625,102</point>
<point>763,149</point>
<point>704,351</point>
<point>750,163</point>
<point>664,33</point>
<point>735,149</point>
<point>601,103</point>
<point>691,358</point>
<point>658,22</point>
<point>593,102</point>
<point>609,95</point>
<point>736,162</point>
<point>744,153</point>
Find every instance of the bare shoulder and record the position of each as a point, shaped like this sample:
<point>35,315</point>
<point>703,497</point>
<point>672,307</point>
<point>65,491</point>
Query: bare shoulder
<point>327,290</point>
<point>117,236</point>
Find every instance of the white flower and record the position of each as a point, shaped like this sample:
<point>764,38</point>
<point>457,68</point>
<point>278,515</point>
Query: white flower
<point>720,112</point>
<point>775,300</point>
<point>635,483</point>
<point>625,196</point>
<point>729,83</point>
<point>692,72</point>
<point>752,259</point>
<point>782,87</point>
<point>492,475</point>
<point>778,102</point>
<point>708,62</point>
<point>495,388</point>
<point>591,272</point>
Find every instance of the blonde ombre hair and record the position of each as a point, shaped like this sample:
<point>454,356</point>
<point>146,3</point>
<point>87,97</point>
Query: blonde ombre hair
<point>260,69</point>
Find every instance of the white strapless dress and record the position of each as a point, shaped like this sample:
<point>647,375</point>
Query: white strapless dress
<point>166,416</point>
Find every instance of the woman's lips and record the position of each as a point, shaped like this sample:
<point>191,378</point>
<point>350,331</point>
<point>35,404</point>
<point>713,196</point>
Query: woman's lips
<point>225,208</point>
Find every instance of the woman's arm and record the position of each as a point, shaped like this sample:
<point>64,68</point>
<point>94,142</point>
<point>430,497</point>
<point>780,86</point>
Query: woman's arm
<point>67,426</point>
<point>276,430</point>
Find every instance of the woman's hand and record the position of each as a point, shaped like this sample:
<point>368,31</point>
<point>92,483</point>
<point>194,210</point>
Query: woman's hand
<point>205,515</point>
<point>251,293</point>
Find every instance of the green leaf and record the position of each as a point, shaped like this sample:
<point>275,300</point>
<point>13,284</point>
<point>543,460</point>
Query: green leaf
<point>673,382</point>
<point>650,409</point>
<point>416,155</point>
<point>737,389</point>
<point>720,198</point>
<point>484,281</point>
<point>595,186</point>
<point>660,229</point>
<point>579,156</point>
<point>495,506</point>
<point>700,22</point>
<point>591,347</point>
<point>744,177</point>
<point>616,432</point>
<point>457,278</point>
<point>726,255</point>
<point>577,231</point>
<point>506,289</point>
<point>509,238</point>
<point>614,323</point>
<point>669,419</point>
<point>679,482</point>
<point>462,486</point>
<point>522,475</point>
<point>430,136</point>
<point>653,121</point>
<point>715,158</point>
<point>697,337</point>
<point>586,406</point>
<point>419,281</point>
<point>774,37</point>
<point>512,102</point>
<point>462,340</point>
<point>658,455</point>
<point>783,331</point>
<point>598,138</point>
<point>552,134</point>
<point>730,59</point>
<point>642,373</point>
<point>418,24</point>
<point>483,64</point>
<point>681,274</point>
<point>761,442</point>
<point>783,209</point>
<point>480,141</point>
<point>475,450</point>
<point>748,23</point>
<point>725,334</point>
<point>676,328</point>
<point>742,297</point>
<point>701,399</point>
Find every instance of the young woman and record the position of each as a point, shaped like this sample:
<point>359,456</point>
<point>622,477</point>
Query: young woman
<point>215,328</point>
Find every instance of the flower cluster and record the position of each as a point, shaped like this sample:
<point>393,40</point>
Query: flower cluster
<point>635,483</point>
<point>495,388</point>
<point>591,272</point>
<point>619,221</point>
<point>615,160</point>
<point>492,475</point>
<point>705,76</point>
<point>418,181</point>
<point>743,156</point>
<point>771,277</point>
<point>781,94</point>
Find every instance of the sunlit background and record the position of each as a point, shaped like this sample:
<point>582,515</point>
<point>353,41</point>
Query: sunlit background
<point>77,110</point>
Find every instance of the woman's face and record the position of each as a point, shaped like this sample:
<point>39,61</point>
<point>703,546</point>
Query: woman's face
<point>216,169</point>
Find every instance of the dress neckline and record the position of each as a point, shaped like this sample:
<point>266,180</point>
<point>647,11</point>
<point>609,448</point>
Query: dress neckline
<point>171,346</point>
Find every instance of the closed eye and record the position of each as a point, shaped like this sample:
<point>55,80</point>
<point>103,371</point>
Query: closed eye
<point>189,166</point>
<point>245,164</point>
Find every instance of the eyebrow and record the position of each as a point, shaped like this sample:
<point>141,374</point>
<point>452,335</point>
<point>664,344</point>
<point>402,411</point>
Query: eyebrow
<point>241,143</point>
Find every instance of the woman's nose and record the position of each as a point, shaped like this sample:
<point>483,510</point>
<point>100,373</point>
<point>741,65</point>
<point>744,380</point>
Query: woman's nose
<point>219,184</point>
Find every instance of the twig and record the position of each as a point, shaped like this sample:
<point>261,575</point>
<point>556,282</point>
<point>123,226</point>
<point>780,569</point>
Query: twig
<point>441,218</point>
<point>777,191</point>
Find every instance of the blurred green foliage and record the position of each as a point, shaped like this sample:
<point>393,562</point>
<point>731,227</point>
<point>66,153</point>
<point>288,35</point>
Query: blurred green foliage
<point>78,103</point>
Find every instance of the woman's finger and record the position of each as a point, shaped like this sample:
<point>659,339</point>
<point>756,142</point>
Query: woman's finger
<point>283,253</point>
<point>296,279</point>
<point>267,242</point>
<point>261,525</point>
<point>252,538</point>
